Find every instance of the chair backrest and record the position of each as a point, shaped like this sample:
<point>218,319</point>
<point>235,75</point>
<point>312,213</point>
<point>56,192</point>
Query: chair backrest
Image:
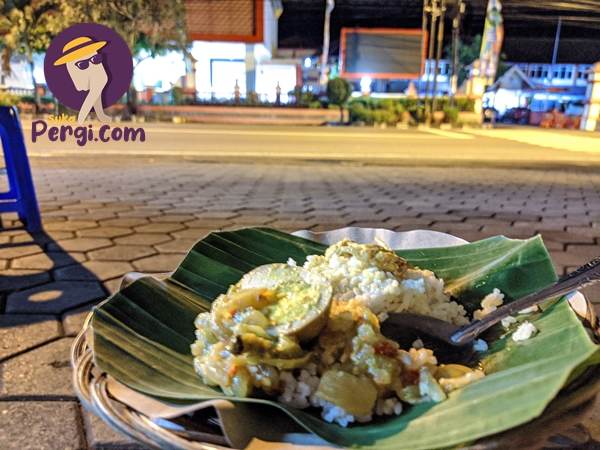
<point>21,191</point>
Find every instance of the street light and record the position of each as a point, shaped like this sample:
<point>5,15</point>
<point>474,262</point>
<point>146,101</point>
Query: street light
<point>438,55</point>
<point>455,44</point>
<point>329,5</point>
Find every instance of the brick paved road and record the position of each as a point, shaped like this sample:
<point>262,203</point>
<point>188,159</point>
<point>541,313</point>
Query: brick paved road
<point>104,218</point>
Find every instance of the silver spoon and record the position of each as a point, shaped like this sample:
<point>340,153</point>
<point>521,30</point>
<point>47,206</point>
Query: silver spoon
<point>460,336</point>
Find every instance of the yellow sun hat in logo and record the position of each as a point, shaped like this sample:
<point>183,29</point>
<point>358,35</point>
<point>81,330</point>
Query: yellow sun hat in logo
<point>78,48</point>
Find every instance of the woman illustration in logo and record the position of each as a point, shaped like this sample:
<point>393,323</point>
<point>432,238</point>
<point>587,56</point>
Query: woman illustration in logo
<point>84,65</point>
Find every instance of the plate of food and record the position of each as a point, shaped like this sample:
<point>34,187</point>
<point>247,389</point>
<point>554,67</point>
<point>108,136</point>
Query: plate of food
<point>274,336</point>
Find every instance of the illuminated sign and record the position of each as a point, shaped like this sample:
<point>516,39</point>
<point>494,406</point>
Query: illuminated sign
<point>383,53</point>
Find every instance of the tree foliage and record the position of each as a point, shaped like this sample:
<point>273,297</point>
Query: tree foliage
<point>27,27</point>
<point>149,27</point>
<point>338,93</point>
<point>146,25</point>
<point>468,51</point>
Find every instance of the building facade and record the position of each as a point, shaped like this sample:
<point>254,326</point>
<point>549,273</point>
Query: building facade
<point>234,44</point>
<point>540,88</point>
<point>556,75</point>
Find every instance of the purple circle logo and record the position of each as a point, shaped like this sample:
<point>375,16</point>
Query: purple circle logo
<point>88,66</point>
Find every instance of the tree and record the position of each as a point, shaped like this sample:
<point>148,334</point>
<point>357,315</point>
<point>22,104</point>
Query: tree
<point>149,27</point>
<point>468,52</point>
<point>27,28</point>
<point>338,93</point>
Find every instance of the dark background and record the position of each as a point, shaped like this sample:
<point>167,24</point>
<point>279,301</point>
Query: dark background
<point>529,25</point>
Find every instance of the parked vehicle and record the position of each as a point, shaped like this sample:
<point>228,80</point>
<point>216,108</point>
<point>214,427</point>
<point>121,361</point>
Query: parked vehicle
<point>490,115</point>
<point>516,115</point>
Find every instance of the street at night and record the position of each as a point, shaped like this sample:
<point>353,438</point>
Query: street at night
<point>509,145</point>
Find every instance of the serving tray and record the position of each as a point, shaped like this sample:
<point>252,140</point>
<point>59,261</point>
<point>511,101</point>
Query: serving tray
<point>214,424</point>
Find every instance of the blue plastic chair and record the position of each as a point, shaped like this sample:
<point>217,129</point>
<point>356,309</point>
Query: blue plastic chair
<point>20,197</point>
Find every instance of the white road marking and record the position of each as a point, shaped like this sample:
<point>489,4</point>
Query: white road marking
<point>447,134</point>
<point>284,133</point>
<point>295,154</point>
<point>545,138</point>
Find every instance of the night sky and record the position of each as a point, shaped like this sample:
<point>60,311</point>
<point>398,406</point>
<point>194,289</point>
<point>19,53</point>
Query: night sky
<point>530,25</point>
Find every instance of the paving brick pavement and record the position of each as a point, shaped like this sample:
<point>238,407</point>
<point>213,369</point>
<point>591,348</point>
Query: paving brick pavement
<point>103,218</point>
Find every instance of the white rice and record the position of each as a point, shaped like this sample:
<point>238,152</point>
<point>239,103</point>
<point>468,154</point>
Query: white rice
<point>299,391</point>
<point>418,344</point>
<point>508,321</point>
<point>356,276</point>
<point>490,303</point>
<point>529,310</point>
<point>388,407</point>
<point>292,262</point>
<point>525,331</point>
